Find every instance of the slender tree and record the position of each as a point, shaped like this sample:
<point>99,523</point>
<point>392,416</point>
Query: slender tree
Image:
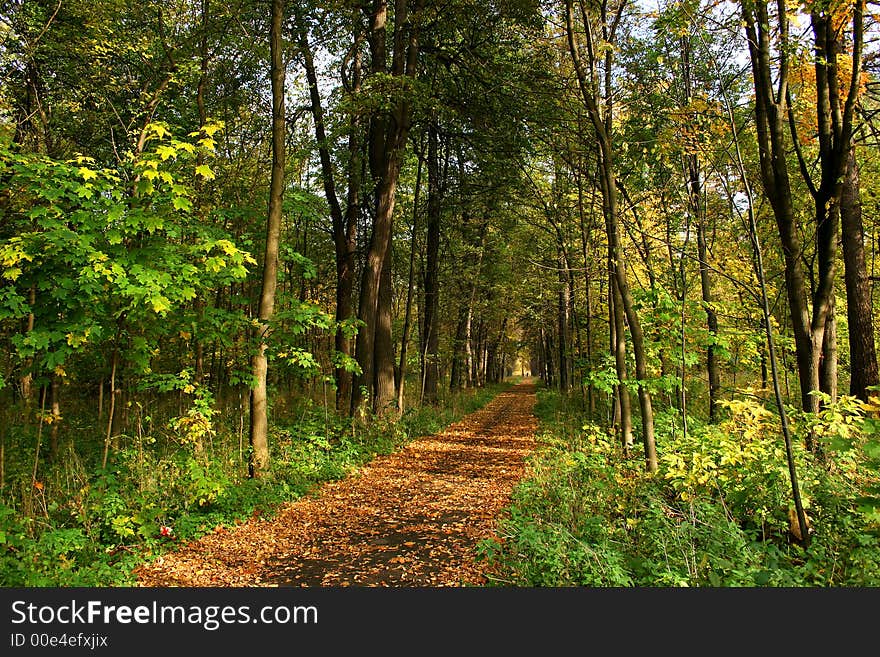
<point>602,120</point>
<point>259,421</point>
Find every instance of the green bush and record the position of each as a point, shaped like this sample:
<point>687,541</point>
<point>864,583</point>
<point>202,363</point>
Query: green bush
<point>715,514</point>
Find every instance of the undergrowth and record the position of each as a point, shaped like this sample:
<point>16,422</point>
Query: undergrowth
<point>716,514</point>
<point>78,524</point>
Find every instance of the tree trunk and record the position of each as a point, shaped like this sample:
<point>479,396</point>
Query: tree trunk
<point>859,309</point>
<point>588,306</point>
<point>623,415</point>
<point>432,266</point>
<point>602,127</point>
<point>383,358</point>
<point>259,421</point>
<point>344,224</point>
<point>563,317</point>
<point>456,375</point>
<point>400,380</point>
<point>695,207</point>
<point>770,114</point>
<point>712,366</point>
<point>371,283</point>
<point>387,142</point>
<point>828,364</point>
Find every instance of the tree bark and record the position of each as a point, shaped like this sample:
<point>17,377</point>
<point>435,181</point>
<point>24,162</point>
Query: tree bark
<point>383,358</point>
<point>259,421</point>
<point>388,139</point>
<point>859,309</point>
<point>400,374</point>
<point>623,415</point>
<point>432,266</point>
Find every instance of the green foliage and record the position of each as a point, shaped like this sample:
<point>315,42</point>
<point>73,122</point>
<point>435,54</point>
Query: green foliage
<point>714,515</point>
<point>100,248</point>
<point>850,430</point>
<point>174,485</point>
<point>741,462</point>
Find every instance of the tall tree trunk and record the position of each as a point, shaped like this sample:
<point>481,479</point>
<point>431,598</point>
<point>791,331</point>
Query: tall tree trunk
<point>588,308</point>
<point>770,116</point>
<point>383,358</point>
<point>623,414</point>
<point>456,374</point>
<point>387,142</point>
<point>712,365</point>
<point>371,283</point>
<point>695,207</point>
<point>259,421</point>
<point>564,294</point>
<point>828,363</point>
<point>602,127</point>
<point>344,224</point>
<point>400,375</point>
<point>432,267</point>
<point>859,309</point>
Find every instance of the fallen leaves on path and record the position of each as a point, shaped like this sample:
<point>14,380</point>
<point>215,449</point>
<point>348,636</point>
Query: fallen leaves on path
<point>412,518</point>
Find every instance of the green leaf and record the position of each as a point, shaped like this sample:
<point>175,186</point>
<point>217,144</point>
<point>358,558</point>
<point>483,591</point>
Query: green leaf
<point>87,174</point>
<point>182,203</point>
<point>166,152</point>
<point>205,172</point>
<point>762,578</point>
<point>115,213</point>
<point>145,187</point>
<point>160,304</point>
<point>159,129</point>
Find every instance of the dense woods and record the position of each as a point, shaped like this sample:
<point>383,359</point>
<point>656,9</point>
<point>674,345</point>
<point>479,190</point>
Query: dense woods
<point>245,246</point>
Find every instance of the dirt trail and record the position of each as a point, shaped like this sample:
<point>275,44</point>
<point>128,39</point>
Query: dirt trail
<point>412,518</point>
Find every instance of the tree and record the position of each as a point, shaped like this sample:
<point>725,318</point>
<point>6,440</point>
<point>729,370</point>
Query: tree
<point>811,312</point>
<point>601,112</point>
<point>389,131</point>
<point>259,424</point>
<point>859,309</point>
<point>344,221</point>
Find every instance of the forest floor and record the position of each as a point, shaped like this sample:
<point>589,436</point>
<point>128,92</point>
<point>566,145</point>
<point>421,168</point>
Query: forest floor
<point>411,518</point>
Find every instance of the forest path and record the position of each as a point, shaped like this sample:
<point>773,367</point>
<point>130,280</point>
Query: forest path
<point>411,518</point>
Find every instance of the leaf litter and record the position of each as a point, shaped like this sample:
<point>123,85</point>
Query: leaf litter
<point>411,518</point>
